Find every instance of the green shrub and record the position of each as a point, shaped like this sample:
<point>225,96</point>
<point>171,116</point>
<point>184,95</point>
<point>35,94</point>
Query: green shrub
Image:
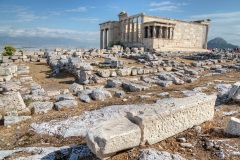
<point>28,101</point>
<point>8,50</point>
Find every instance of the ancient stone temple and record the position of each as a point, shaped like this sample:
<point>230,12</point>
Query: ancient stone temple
<point>155,33</point>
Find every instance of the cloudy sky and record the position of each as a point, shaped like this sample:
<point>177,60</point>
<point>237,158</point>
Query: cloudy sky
<point>79,19</point>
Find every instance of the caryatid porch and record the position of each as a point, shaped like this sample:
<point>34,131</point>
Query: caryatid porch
<point>159,30</point>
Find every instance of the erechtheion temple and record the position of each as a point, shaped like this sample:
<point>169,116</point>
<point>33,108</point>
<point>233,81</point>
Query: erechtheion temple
<point>155,33</point>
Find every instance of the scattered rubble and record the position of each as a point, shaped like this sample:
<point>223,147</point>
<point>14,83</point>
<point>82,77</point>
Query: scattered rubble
<point>233,126</point>
<point>121,73</point>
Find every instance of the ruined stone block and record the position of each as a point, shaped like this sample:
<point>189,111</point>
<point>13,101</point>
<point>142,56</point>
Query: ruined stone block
<point>114,83</point>
<point>41,107</point>
<point>11,102</point>
<point>233,126</point>
<point>136,87</point>
<point>164,83</point>
<point>84,76</point>
<point>14,119</point>
<point>74,88</point>
<point>62,97</point>
<point>104,73</point>
<point>51,93</point>
<point>101,94</point>
<point>173,116</point>
<point>5,71</point>
<point>65,104</point>
<point>107,138</point>
<point>124,72</point>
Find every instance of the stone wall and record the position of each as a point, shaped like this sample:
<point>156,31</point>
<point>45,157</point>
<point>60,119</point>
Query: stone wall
<point>186,35</point>
<point>177,34</point>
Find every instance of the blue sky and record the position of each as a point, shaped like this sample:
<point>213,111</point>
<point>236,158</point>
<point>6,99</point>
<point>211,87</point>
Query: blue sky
<point>79,19</point>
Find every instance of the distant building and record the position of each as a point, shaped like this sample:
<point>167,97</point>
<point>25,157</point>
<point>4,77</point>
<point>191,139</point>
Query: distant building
<point>155,33</point>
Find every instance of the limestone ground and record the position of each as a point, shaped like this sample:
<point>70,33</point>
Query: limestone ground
<point>19,135</point>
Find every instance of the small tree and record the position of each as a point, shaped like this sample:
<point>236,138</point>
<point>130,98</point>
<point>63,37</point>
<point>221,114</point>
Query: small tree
<point>8,50</point>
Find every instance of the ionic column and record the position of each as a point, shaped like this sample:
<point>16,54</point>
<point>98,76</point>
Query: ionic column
<point>128,34</point>
<point>132,37</point>
<point>124,30</point>
<point>101,39</point>
<point>105,38</point>
<point>137,31</point>
<point>110,34</point>
<point>141,30</point>
<point>206,37</point>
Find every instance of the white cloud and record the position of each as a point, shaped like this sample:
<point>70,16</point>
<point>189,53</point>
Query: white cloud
<point>79,9</point>
<point>86,19</point>
<point>55,13</point>
<point>53,33</point>
<point>166,6</point>
<point>29,16</point>
<point>20,14</point>
<point>217,15</point>
<point>224,24</point>
<point>14,9</point>
<point>160,3</point>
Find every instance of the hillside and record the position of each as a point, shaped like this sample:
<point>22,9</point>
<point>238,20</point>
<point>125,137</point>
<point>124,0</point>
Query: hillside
<point>220,43</point>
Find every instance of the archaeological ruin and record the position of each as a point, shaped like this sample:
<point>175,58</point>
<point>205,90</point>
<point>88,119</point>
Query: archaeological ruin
<point>158,97</point>
<point>155,33</point>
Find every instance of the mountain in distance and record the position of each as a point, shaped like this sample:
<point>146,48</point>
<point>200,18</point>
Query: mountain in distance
<point>220,43</point>
<point>44,42</point>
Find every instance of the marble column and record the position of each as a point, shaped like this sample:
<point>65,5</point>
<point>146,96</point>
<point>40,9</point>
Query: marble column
<point>110,35</point>
<point>141,30</point>
<point>137,31</point>
<point>206,37</point>
<point>132,34</point>
<point>101,39</point>
<point>105,38</point>
<point>124,30</point>
<point>128,32</point>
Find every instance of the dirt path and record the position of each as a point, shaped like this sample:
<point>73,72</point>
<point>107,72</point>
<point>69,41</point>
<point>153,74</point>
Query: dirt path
<point>42,74</point>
